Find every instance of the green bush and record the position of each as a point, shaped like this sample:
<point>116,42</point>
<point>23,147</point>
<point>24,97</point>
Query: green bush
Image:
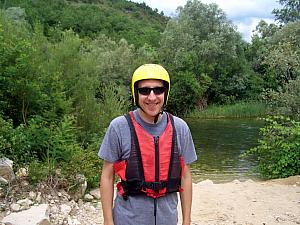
<point>83,161</point>
<point>113,103</point>
<point>63,174</point>
<point>6,134</point>
<point>184,93</point>
<point>59,151</point>
<point>285,101</point>
<point>278,152</point>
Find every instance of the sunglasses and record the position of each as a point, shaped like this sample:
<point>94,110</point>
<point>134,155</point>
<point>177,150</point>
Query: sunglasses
<point>147,90</point>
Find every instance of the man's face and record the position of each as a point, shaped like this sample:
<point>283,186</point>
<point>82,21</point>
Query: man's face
<point>151,101</point>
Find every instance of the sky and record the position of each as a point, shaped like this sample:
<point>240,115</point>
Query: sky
<point>245,14</point>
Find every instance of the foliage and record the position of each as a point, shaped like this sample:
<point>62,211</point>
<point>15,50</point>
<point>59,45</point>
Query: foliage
<point>202,41</point>
<point>112,104</point>
<point>278,151</point>
<point>22,93</point>
<point>257,52</point>
<point>184,93</point>
<point>66,66</point>
<point>47,147</point>
<point>90,168</point>
<point>237,110</point>
<point>289,13</point>
<point>274,54</point>
<point>58,97</point>
<point>63,174</point>
<point>286,101</point>
<point>16,14</point>
<point>137,23</point>
<point>283,56</point>
<point>6,135</point>
<point>40,140</point>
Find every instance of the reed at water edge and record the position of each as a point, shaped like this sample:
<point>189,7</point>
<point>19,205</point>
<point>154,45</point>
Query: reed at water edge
<point>237,110</point>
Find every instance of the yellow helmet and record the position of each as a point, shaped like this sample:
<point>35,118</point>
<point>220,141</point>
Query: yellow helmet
<point>146,72</point>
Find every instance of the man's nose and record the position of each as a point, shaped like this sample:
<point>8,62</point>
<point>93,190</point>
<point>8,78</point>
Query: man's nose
<point>151,95</point>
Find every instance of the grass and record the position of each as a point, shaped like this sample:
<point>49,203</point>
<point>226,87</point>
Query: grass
<point>238,110</point>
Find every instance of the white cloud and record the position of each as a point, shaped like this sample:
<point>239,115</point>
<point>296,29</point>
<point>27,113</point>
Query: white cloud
<point>245,14</point>
<point>247,27</point>
<point>246,8</point>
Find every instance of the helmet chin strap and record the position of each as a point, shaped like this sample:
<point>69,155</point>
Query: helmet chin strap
<point>157,116</point>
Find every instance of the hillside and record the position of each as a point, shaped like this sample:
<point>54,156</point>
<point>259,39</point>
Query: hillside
<point>135,22</point>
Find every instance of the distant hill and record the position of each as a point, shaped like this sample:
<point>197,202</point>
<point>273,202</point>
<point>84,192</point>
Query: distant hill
<point>136,22</point>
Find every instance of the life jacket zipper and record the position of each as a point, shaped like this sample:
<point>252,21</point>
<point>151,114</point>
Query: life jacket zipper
<point>156,172</point>
<point>156,158</point>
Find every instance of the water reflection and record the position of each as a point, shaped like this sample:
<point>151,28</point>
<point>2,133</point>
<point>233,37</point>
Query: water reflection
<point>219,144</point>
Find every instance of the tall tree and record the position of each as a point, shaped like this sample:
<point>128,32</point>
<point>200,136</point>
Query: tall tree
<point>26,87</point>
<point>283,55</point>
<point>201,41</point>
<point>290,11</point>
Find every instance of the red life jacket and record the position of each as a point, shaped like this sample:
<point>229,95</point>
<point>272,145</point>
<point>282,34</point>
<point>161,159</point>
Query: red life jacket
<point>154,167</point>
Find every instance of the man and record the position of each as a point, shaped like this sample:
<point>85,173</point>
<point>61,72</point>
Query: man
<point>150,151</point>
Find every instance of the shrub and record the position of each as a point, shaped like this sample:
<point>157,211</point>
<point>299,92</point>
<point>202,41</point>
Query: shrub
<point>184,93</point>
<point>287,100</point>
<point>62,153</point>
<point>278,151</point>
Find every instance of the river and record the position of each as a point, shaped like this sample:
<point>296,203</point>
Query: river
<point>219,144</point>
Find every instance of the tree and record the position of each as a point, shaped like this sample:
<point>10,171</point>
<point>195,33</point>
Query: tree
<point>184,93</point>
<point>137,23</point>
<point>201,40</point>
<point>289,13</point>
<point>287,100</point>
<point>283,56</point>
<point>256,53</point>
<point>22,93</point>
<point>274,53</point>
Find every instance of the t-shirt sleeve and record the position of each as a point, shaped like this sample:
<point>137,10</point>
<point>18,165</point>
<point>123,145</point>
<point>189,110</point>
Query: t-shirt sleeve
<point>110,148</point>
<point>185,141</point>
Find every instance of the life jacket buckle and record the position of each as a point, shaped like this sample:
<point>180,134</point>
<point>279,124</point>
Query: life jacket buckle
<point>156,186</point>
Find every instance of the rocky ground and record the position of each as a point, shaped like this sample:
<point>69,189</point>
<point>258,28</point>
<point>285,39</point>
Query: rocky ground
<point>249,203</point>
<point>23,202</point>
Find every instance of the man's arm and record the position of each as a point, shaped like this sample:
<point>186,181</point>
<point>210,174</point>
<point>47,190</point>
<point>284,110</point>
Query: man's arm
<point>107,192</point>
<point>186,196</point>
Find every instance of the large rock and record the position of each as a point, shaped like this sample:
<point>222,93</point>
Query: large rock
<point>34,215</point>
<point>6,170</point>
<point>81,187</point>
<point>96,193</point>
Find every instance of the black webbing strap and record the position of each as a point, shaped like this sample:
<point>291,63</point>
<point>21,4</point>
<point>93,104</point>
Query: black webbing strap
<point>135,145</point>
<point>174,147</point>
<point>135,187</point>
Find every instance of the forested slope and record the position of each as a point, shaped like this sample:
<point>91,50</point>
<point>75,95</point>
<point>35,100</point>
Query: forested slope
<point>137,23</point>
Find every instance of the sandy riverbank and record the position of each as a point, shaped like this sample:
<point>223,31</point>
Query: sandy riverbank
<point>249,202</point>
<point>275,202</point>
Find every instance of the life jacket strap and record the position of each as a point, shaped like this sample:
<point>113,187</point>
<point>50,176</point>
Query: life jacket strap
<point>138,187</point>
<point>155,186</point>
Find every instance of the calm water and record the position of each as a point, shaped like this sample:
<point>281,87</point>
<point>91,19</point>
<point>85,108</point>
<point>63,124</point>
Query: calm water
<point>219,144</point>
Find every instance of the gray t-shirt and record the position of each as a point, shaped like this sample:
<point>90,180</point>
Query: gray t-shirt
<point>116,146</point>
